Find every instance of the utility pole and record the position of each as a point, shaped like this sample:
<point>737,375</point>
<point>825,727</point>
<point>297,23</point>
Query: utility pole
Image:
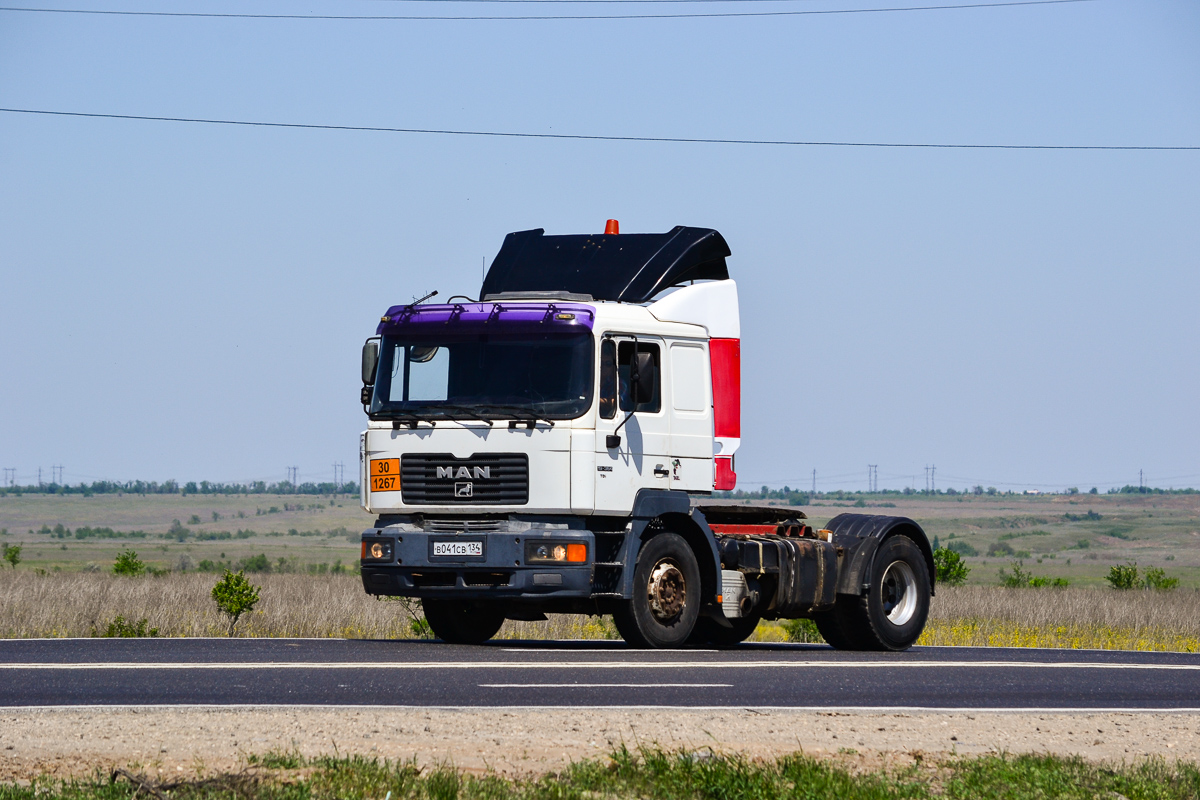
<point>872,477</point>
<point>339,475</point>
<point>933,478</point>
<point>1141,483</point>
<point>814,489</point>
<point>56,473</point>
<point>10,476</point>
<point>39,477</point>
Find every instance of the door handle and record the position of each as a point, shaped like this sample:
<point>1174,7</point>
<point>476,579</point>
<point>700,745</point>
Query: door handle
<point>660,471</point>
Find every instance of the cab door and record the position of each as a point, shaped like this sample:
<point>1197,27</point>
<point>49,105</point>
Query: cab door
<point>642,458</point>
<point>691,410</point>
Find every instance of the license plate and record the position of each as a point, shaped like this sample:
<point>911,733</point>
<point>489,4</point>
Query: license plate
<point>458,549</point>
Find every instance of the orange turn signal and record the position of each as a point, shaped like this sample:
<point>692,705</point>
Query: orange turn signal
<point>577,552</point>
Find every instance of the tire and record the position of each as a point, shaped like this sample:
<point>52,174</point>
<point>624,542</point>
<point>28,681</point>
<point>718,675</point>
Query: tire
<point>892,614</point>
<point>709,631</point>
<point>666,595</point>
<point>458,622</point>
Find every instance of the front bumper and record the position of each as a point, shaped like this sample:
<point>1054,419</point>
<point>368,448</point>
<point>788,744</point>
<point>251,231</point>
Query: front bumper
<point>501,572</point>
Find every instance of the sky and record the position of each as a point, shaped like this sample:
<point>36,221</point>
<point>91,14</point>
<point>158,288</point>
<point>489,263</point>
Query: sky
<point>184,301</point>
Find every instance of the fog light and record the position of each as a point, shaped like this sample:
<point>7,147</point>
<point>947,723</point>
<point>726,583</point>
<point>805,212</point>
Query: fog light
<point>378,550</point>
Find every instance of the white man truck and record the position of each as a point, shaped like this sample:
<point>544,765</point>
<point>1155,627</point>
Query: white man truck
<point>554,447</point>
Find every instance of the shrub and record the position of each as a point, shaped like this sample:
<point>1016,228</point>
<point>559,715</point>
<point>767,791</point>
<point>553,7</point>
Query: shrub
<point>949,567</point>
<point>1000,549</point>
<point>1155,578</point>
<point>963,548</point>
<point>258,563</point>
<point>120,628</point>
<point>234,595</point>
<point>194,519</point>
<point>128,563</point>
<point>1020,578</point>
<point>12,554</point>
<point>1123,576</point>
<point>803,631</point>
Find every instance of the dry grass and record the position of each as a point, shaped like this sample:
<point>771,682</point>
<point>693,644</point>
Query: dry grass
<point>83,604</point>
<point>74,604</point>
<point>1072,618</point>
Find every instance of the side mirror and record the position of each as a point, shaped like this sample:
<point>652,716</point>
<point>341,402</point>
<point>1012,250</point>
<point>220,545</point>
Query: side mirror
<point>646,377</point>
<point>370,360</point>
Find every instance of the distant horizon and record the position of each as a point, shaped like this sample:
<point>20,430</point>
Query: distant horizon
<point>264,486</point>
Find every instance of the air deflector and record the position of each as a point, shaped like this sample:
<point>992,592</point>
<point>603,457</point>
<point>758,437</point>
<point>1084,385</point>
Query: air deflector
<point>627,267</point>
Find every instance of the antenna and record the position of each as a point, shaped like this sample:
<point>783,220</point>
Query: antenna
<point>423,299</point>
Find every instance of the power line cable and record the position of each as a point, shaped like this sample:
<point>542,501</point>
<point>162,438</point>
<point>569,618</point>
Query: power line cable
<point>592,137</point>
<point>528,17</point>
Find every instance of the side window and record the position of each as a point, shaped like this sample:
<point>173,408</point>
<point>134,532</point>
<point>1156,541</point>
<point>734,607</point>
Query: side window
<point>688,378</point>
<point>608,379</point>
<point>653,403</point>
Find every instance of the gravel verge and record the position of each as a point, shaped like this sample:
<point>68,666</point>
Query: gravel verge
<point>167,740</point>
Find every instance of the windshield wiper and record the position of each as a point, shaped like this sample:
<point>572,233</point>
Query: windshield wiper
<point>521,414</point>
<point>410,418</point>
<point>468,410</point>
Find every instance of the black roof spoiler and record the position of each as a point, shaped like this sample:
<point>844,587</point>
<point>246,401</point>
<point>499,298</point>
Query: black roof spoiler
<point>627,267</point>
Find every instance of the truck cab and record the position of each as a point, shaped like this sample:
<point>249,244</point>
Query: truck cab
<point>553,447</point>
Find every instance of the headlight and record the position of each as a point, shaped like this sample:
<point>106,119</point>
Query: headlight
<point>378,549</point>
<point>545,552</point>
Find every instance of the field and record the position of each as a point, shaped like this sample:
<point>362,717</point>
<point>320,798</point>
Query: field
<point>63,584</point>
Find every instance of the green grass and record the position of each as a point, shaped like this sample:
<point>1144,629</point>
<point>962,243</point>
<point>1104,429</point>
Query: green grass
<point>646,773</point>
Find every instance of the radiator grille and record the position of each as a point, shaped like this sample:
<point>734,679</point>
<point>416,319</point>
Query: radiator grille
<point>428,479</point>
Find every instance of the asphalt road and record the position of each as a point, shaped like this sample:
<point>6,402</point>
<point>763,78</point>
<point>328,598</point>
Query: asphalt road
<point>325,672</point>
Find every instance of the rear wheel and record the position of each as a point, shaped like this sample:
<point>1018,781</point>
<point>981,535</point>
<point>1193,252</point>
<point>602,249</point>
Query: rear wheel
<point>666,595</point>
<point>709,631</point>
<point>459,622</point>
<point>892,614</point>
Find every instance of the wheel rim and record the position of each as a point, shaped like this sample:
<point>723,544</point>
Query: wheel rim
<point>899,592</point>
<point>667,591</point>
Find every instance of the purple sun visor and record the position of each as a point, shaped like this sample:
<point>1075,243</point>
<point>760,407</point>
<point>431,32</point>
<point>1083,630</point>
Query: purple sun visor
<point>475,318</point>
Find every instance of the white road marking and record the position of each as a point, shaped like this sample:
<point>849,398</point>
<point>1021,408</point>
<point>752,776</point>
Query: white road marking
<point>603,685</point>
<point>442,665</point>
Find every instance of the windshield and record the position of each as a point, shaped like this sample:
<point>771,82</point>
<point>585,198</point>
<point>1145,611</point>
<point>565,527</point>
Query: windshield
<point>492,375</point>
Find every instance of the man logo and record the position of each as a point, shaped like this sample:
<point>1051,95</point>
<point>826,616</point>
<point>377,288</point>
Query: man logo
<point>464,489</point>
<point>464,472</point>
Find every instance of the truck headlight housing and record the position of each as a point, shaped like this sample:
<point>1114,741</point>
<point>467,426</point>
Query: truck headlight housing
<point>551,552</point>
<point>378,549</point>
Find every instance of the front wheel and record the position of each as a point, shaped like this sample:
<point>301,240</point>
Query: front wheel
<point>666,595</point>
<point>892,614</point>
<point>459,622</point>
